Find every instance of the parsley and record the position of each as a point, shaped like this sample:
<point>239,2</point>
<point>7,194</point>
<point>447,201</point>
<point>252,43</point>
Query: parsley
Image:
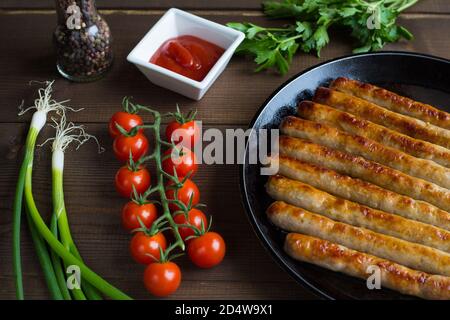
<point>372,25</point>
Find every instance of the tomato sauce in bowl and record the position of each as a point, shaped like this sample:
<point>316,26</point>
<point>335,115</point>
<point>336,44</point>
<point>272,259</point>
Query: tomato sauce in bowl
<point>187,55</point>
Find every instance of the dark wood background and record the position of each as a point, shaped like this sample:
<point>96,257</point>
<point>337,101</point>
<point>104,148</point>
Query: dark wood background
<point>247,272</point>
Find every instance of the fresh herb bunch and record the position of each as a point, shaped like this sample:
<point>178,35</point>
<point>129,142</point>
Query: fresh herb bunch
<point>372,25</point>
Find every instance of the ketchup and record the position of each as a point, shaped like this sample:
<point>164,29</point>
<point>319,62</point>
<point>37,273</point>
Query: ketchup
<point>189,56</point>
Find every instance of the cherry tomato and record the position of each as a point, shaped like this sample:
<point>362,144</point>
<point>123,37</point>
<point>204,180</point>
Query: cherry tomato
<point>195,218</point>
<point>145,248</point>
<point>125,120</point>
<point>188,189</point>
<point>123,145</point>
<point>126,178</point>
<point>188,133</point>
<point>207,250</point>
<point>146,212</point>
<point>182,159</point>
<point>162,279</point>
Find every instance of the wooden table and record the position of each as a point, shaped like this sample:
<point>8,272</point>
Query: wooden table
<point>248,272</point>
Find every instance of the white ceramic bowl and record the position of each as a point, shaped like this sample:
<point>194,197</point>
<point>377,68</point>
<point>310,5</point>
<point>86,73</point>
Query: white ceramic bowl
<point>176,23</point>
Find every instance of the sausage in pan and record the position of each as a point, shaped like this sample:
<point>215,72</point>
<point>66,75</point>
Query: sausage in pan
<point>362,192</point>
<point>345,121</point>
<point>339,258</point>
<point>361,168</point>
<point>310,198</point>
<point>294,219</point>
<point>367,148</point>
<point>367,110</point>
<point>393,101</point>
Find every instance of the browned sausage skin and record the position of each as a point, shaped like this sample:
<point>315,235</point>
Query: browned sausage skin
<point>339,258</point>
<point>362,192</point>
<point>393,101</point>
<point>305,196</point>
<point>410,126</point>
<point>345,121</point>
<point>361,168</point>
<point>367,148</point>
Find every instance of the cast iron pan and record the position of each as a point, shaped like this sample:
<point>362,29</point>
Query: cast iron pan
<point>421,77</point>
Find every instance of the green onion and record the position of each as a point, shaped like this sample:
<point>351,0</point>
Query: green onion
<point>65,251</point>
<point>67,133</point>
<point>43,105</point>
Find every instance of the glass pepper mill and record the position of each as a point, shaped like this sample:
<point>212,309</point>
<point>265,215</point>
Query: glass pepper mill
<point>82,40</point>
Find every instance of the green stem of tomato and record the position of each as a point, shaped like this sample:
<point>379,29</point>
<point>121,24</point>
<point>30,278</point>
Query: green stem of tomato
<point>160,174</point>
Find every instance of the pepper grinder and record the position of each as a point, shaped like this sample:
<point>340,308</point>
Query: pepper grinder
<point>82,41</point>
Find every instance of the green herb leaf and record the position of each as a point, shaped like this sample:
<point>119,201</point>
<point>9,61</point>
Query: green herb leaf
<point>371,23</point>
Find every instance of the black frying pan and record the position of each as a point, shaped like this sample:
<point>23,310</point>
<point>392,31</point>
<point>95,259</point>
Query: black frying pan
<point>422,77</point>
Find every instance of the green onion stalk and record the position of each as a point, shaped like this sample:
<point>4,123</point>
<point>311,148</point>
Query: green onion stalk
<point>43,105</point>
<point>67,133</point>
<point>67,257</point>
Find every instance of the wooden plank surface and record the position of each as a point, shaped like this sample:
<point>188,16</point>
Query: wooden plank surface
<point>436,6</point>
<point>230,102</point>
<point>248,272</point>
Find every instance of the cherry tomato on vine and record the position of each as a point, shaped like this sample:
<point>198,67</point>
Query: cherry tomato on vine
<point>145,248</point>
<point>182,159</point>
<point>146,212</point>
<point>195,218</point>
<point>124,119</point>
<point>123,145</point>
<point>162,278</point>
<point>187,133</point>
<point>207,250</point>
<point>127,177</point>
<point>188,189</point>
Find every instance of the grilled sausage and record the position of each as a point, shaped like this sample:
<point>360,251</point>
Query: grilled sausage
<point>361,168</point>
<point>367,110</point>
<point>393,101</point>
<point>413,255</point>
<point>345,121</point>
<point>310,198</point>
<point>369,149</point>
<point>339,258</point>
<point>362,192</point>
